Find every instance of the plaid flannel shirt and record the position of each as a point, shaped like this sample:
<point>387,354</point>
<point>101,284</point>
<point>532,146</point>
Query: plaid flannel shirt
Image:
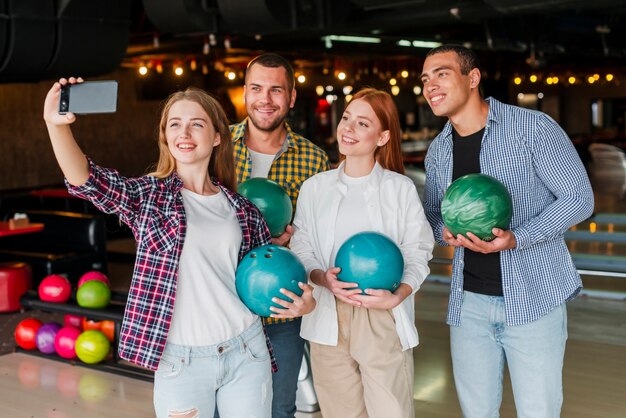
<point>153,209</point>
<point>298,160</point>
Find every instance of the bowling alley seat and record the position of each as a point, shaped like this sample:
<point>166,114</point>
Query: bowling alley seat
<point>608,160</point>
<point>70,244</point>
<point>15,280</point>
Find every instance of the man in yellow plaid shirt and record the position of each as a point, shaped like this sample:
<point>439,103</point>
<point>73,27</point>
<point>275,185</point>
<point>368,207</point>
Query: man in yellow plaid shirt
<point>265,146</point>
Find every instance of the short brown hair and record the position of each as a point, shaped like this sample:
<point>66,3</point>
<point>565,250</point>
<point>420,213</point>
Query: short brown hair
<point>272,60</point>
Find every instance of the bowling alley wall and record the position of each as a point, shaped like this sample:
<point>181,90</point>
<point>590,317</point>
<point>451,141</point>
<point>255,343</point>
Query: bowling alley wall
<point>125,140</point>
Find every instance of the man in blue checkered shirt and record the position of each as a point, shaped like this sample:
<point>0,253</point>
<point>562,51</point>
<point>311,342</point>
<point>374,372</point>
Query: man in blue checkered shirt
<point>507,299</point>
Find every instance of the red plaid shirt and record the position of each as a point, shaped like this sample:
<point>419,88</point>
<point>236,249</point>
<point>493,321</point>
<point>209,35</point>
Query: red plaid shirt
<point>153,209</point>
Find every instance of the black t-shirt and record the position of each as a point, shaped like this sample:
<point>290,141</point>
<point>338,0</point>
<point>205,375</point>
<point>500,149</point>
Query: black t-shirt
<point>481,272</point>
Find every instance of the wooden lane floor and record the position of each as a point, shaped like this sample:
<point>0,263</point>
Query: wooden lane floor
<point>594,378</point>
<point>32,386</point>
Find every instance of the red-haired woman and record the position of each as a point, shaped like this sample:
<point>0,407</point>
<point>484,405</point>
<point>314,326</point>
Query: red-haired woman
<point>361,344</point>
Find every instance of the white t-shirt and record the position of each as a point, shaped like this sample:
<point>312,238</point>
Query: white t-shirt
<point>352,216</point>
<point>261,163</point>
<point>207,309</point>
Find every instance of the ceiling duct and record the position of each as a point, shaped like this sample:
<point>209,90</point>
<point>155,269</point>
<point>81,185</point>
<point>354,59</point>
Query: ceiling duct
<point>29,40</point>
<point>526,6</point>
<point>182,16</point>
<point>4,29</point>
<point>276,16</point>
<point>243,16</point>
<point>92,37</point>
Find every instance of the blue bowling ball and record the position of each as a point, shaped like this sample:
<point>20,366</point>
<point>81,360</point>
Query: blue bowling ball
<point>372,260</point>
<point>263,272</point>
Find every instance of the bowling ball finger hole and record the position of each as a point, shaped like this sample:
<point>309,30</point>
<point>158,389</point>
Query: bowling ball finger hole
<point>253,255</point>
<point>268,255</point>
<point>270,250</point>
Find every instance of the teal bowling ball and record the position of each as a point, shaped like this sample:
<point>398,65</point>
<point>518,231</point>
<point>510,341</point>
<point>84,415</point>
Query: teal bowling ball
<point>372,260</point>
<point>271,199</point>
<point>263,272</point>
<point>476,203</point>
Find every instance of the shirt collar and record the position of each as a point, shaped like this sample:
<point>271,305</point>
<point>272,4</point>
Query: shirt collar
<point>240,130</point>
<point>373,181</point>
<point>494,116</point>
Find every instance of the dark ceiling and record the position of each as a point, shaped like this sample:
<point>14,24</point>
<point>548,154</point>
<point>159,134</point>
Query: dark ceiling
<point>532,33</point>
<point>42,39</point>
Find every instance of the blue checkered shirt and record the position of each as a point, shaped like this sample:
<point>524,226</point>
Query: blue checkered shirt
<point>535,159</point>
<point>153,209</point>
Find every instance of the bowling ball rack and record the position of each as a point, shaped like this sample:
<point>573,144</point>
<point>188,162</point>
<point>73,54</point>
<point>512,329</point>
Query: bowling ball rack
<point>114,312</point>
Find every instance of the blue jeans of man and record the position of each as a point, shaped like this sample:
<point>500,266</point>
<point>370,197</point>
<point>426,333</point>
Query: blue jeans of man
<point>288,349</point>
<point>534,352</point>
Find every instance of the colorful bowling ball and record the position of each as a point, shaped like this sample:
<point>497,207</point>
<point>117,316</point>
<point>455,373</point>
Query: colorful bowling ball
<point>108,329</point>
<point>71,320</point>
<point>25,333</point>
<point>65,342</point>
<point>372,260</point>
<point>45,337</point>
<point>263,272</point>
<point>55,288</point>
<point>476,203</point>
<point>93,275</point>
<point>89,324</point>
<point>271,199</point>
<point>93,294</point>
<point>92,347</point>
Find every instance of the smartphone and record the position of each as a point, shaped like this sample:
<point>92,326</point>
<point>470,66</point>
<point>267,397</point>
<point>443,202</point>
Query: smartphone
<point>89,97</point>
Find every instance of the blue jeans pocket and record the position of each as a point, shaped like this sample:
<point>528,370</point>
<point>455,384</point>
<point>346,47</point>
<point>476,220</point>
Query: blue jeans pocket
<point>256,349</point>
<point>170,366</point>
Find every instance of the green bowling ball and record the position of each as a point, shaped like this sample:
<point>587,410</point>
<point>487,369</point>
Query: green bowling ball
<point>271,199</point>
<point>476,203</point>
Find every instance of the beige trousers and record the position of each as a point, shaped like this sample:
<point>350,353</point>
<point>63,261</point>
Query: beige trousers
<point>367,374</point>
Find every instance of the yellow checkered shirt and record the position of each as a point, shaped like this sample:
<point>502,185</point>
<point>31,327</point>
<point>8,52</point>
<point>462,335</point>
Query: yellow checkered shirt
<point>301,160</point>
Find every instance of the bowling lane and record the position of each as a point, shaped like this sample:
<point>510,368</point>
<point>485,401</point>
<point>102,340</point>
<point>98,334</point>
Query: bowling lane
<point>32,386</point>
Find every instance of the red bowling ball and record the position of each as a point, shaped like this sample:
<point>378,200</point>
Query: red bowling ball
<point>55,288</point>
<point>25,333</point>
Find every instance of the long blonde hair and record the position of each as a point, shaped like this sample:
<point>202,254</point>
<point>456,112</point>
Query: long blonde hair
<point>222,162</point>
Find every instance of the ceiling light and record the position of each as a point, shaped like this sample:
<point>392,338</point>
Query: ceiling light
<point>329,39</point>
<point>418,44</point>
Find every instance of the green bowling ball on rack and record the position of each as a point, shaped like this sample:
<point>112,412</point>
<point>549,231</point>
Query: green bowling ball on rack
<point>476,203</point>
<point>271,199</point>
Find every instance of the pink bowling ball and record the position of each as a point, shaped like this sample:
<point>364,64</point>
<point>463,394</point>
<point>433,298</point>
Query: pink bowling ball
<point>65,342</point>
<point>93,275</point>
<point>55,288</point>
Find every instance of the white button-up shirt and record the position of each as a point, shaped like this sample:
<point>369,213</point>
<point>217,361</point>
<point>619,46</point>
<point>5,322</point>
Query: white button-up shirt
<point>394,209</point>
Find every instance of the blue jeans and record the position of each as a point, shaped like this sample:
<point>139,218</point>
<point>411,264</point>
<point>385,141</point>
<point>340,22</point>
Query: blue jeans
<point>234,375</point>
<point>288,349</point>
<point>534,353</point>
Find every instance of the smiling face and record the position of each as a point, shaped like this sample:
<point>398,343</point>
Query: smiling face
<point>267,96</point>
<point>359,132</point>
<point>446,88</point>
<point>189,133</point>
